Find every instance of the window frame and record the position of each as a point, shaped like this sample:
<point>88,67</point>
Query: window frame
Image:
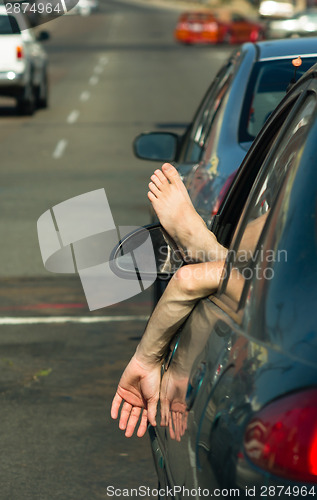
<point>225,75</point>
<point>289,107</point>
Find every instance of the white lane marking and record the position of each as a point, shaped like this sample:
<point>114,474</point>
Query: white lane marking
<point>60,148</point>
<point>103,60</point>
<point>93,80</point>
<point>68,319</point>
<point>73,116</point>
<point>84,96</point>
<point>98,70</point>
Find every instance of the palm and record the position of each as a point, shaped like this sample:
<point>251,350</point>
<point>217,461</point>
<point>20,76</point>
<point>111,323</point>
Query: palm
<point>173,404</point>
<point>138,389</point>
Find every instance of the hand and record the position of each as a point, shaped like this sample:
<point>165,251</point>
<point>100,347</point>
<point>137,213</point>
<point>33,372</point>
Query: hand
<point>173,405</point>
<point>138,389</point>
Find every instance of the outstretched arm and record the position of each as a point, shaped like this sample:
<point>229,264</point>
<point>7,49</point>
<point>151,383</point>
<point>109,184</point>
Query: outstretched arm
<point>139,385</point>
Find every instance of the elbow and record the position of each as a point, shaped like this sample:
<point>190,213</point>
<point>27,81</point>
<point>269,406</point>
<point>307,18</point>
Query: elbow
<point>186,282</point>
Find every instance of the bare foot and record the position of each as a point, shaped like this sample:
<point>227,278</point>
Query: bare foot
<point>173,206</point>
<point>176,213</point>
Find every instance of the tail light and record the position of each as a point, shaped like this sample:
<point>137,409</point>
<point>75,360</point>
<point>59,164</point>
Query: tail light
<point>211,27</point>
<point>19,52</point>
<point>282,438</point>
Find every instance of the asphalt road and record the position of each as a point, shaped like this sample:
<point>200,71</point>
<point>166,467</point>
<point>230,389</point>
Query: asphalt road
<point>113,75</point>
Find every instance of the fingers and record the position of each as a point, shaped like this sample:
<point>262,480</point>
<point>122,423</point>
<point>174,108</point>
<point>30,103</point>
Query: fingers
<point>125,415</point>
<point>143,424</point>
<point>151,412</point>
<point>164,401</point>
<point>170,426</point>
<point>174,423</point>
<point>129,417</point>
<point>164,412</point>
<point>116,402</point>
<point>133,420</point>
<point>184,423</point>
<point>178,426</point>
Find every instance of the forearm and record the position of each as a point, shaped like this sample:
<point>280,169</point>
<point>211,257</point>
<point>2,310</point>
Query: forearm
<point>169,314</point>
<point>189,284</point>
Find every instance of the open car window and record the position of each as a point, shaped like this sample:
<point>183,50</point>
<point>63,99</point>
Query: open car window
<point>268,84</point>
<point>246,251</point>
<point>9,25</point>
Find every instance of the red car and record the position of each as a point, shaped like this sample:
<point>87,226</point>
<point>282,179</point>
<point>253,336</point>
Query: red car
<point>205,27</point>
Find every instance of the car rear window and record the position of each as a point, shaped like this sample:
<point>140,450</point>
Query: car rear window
<point>267,87</point>
<point>9,25</point>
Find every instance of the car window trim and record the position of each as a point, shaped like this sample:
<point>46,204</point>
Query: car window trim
<point>222,300</point>
<point>220,223</point>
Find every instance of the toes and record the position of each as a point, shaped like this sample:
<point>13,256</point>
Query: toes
<point>155,179</point>
<point>171,173</point>
<point>154,189</point>
<point>151,197</point>
<point>161,176</point>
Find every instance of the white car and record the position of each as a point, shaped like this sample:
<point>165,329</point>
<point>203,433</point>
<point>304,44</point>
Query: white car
<point>84,7</point>
<point>23,62</point>
<point>302,24</point>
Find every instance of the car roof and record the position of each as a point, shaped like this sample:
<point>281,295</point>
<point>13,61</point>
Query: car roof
<point>291,47</point>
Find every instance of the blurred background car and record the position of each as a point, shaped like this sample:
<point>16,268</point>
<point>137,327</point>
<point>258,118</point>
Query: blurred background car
<point>278,9</point>
<point>245,91</point>
<point>23,64</point>
<point>302,24</point>
<point>84,7</point>
<point>205,27</point>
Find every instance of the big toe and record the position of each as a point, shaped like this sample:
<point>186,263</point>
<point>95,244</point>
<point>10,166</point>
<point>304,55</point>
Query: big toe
<point>171,173</point>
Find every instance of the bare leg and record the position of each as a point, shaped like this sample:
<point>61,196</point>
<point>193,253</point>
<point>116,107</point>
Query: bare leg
<point>173,206</point>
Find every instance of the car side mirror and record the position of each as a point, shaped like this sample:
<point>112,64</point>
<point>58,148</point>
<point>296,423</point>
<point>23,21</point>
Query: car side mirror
<point>157,146</point>
<point>131,256</point>
<point>43,36</point>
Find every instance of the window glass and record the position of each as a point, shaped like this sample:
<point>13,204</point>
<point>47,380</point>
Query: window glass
<point>267,87</point>
<point>245,251</point>
<point>209,109</point>
<point>8,25</point>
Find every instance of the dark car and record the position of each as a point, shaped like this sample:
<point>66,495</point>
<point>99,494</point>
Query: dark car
<point>246,422</point>
<point>244,93</point>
